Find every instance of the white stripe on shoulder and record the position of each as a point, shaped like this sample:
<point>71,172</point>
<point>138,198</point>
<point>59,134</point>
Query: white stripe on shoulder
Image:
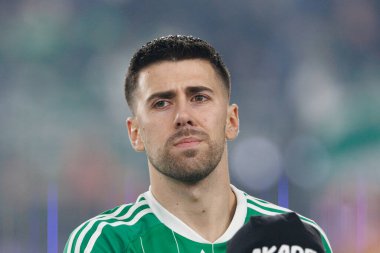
<point>267,204</point>
<point>302,218</point>
<point>273,206</point>
<point>74,233</point>
<point>140,198</point>
<point>260,210</point>
<point>98,231</point>
<point>319,229</point>
<point>90,224</point>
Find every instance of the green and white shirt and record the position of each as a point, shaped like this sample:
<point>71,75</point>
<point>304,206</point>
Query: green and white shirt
<point>147,227</point>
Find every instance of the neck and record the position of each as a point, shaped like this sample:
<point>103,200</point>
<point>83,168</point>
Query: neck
<point>207,206</point>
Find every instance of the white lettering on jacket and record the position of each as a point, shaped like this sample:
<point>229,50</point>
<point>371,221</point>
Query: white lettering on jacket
<point>283,249</point>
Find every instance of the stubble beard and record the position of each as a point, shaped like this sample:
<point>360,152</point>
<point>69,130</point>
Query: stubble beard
<point>192,165</point>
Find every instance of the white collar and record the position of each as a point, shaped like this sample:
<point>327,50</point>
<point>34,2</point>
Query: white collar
<point>184,230</point>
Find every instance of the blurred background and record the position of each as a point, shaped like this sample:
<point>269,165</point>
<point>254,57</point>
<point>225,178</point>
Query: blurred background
<point>306,77</point>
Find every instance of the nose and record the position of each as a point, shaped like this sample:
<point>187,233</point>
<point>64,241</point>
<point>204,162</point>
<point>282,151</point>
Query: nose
<point>183,116</point>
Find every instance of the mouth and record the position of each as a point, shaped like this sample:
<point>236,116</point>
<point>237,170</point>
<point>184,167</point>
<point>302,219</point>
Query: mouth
<point>188,142</point>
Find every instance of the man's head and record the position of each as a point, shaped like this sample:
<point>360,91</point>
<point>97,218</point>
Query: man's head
<point>172,48</point>
<point>180,101</point>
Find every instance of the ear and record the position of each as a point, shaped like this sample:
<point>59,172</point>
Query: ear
<point>232,124</point>
<point>134,134</point>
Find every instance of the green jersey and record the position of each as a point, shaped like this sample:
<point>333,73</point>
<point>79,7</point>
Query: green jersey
<point>147,227</point>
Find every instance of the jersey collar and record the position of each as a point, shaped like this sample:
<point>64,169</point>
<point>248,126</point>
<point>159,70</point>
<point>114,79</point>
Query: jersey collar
<point>175,224</point>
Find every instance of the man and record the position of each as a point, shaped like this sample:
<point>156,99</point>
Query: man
<point>178,90</point>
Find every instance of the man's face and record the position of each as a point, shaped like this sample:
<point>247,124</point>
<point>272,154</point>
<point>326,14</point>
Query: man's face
<point>181,114</point>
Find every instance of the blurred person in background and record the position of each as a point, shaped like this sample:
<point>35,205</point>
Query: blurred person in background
<point>178,90</point>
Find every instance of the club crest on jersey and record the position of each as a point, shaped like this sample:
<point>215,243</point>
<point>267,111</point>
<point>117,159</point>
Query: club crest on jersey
<point>283,249</point>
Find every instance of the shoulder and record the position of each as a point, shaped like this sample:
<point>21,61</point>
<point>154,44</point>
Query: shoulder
<point>112,230</point>
<point>256,207</point>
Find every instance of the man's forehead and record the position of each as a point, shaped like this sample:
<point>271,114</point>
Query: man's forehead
<point>177,75</point>
<point>168,68</point>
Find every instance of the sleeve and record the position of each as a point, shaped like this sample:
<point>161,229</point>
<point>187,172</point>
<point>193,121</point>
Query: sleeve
<point>95,237</point>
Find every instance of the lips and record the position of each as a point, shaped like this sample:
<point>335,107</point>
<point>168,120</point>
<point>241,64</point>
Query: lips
<point>187,142</point>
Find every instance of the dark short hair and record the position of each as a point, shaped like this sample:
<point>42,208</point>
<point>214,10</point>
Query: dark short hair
<point>173,48</point>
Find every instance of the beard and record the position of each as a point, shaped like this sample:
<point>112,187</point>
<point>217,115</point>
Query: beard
<point>189,166</point>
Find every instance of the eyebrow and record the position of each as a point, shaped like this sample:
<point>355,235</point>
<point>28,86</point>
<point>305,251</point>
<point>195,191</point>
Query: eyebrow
<point>164,94</point>
<point>171,93</point>
<point>197,89</point>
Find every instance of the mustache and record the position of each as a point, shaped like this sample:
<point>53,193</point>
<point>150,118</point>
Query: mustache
<point>187,132</point>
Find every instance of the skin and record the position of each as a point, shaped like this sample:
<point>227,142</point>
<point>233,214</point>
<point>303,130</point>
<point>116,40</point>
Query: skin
<point>182,110</point>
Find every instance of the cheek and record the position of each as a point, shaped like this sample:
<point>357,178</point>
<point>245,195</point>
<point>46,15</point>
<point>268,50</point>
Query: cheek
<point>154,134</point>
<point>215,124</point>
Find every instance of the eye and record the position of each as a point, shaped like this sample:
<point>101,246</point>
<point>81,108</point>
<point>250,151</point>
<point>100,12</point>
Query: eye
<point>160,104</point>
<point>200,98</point>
